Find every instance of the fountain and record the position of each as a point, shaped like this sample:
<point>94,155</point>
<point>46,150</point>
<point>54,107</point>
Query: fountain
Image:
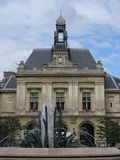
<point>51,140</point>
<point>50,133</point>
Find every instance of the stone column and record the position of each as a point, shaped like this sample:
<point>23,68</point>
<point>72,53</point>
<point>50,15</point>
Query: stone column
<point>70,96</point>
<point>50,114</point>
<point>80,99</point>
<point>93,103</point>
<point>99,97</point>
<point>75,96</point>
<point>44,94</point>
<point>49,93</point>
<point>21,97</point>
<point>28,100</point>
<point>101,85</point>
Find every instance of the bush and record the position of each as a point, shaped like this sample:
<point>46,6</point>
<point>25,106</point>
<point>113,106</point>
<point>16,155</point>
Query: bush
<point>8,125</point>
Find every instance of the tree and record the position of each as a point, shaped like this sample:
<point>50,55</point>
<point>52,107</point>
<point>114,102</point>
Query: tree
<point>8,125</point>
<point>109,130</point>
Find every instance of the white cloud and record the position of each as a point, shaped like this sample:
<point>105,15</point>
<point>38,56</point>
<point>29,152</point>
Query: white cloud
<point>28,24</point>
<point>113,59</point>
<point>103,44</point>
<point>75,44</point>
<point>93,10</point>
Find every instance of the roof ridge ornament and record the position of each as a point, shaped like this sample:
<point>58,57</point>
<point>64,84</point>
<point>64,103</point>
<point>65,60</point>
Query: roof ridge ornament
<point>60,20</point>
<point>61,12</point>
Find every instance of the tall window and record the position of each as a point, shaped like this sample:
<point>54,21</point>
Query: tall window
<point>60,100</point>
<point>34,101</point>
<point>86,100</point>
<point>60,36</point>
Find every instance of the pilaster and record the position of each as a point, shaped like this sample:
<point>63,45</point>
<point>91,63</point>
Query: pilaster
<point>21,97</point>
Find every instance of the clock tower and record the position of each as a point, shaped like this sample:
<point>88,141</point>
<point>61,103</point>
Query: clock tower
<point>60,35</point>
<point>60,50</point>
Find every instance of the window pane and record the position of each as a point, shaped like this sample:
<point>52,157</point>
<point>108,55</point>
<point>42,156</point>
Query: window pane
<point>88,105</point>
<point>84,105</point>
<point>33,101</point>
<point>88,94</point>
<point>58,106</point>
<point>62,105</point>
<point>60,100</point>
<point>86,100</point>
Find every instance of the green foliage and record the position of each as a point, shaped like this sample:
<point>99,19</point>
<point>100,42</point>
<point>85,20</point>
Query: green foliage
<point>109,130</point>
<point>8,125</point>
<point>32,139</point>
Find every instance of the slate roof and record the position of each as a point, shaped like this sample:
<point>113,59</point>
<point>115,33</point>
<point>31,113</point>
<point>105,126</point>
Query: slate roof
<point>39,57</point>
<point>111,82</point>
<point>82,57</point>
<point>8,83</point>
<point>117,80</point>
<point>3,82</point>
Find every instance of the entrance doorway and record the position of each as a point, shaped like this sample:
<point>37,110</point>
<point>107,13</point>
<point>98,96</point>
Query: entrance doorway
<point>87,134</point>
<point>31,125</point>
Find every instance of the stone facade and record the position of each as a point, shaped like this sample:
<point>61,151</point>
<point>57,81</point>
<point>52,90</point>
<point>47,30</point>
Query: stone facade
<point>84,90</point>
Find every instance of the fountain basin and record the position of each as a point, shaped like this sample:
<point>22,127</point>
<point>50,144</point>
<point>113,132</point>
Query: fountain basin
<point>16,153</point>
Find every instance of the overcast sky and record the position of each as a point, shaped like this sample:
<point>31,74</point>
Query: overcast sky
<point>29,24</point>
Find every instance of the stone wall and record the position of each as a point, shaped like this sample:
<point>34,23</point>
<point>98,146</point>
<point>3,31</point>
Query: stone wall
<point>72,86</point>
<point>112,100</point>
<point>7,103</point>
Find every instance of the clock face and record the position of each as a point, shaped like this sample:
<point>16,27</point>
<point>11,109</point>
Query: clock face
<point>60,59</point>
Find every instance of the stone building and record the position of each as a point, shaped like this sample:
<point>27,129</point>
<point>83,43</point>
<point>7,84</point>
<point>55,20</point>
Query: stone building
<point>65,77</point>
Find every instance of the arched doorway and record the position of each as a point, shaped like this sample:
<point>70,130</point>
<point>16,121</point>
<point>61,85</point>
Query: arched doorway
<point>31,125</point>
<point>62,126</point>
<point>87,134</point>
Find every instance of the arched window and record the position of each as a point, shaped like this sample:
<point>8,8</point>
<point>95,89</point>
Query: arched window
<point>60,36</point>
<point>31,125</point>
<point>87,134</point>
<point>61,127</point>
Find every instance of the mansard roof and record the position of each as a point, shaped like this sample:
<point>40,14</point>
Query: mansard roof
<point>8,83</point>
<point>39,57</point>
<point>112,83</point>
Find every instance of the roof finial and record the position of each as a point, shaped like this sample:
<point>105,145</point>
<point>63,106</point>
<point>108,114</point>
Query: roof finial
<point>61,12</point>
<point>60,20</point>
